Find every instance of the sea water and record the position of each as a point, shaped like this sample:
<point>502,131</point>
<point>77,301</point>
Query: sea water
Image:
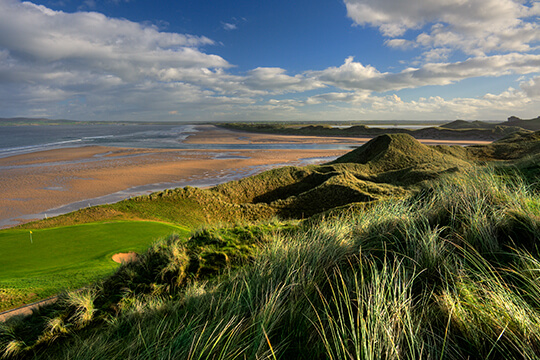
<point>15,140</point>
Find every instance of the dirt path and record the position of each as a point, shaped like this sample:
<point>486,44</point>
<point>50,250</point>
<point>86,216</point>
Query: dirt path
<point>26,310</point>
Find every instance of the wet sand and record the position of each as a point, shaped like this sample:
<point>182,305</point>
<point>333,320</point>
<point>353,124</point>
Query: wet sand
<point>38,182</point>
<point>32,185</point>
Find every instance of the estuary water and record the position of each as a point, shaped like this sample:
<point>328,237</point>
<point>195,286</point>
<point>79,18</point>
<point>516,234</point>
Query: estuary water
<point>15,140</point>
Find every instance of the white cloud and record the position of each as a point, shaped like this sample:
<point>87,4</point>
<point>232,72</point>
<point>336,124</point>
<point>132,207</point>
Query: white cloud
<point>38,37</point>
<point>350,75</point>
<point>532,87</point>
<point>85,65</point>
<point>437,54</point>
<point>355,76</point>
<point>229,26</point>
<point>358,97</point>
<point>476,27</point>
<point>353,106</point>
<point>275,80</point>
<point>400,44</point>
<point>91,4</point>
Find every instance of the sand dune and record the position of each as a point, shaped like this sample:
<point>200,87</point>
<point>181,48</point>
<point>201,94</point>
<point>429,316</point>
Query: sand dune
<point>38,182</point>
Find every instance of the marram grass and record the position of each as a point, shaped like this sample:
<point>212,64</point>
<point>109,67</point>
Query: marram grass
<point>450,273</point>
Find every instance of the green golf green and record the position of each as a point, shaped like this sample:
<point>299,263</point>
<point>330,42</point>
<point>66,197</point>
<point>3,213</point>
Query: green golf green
<point>43,262</point>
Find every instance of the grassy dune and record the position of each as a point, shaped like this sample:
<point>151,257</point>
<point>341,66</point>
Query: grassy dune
<point>413,252</point>
<point>389,166</point>
<point>448,273</point>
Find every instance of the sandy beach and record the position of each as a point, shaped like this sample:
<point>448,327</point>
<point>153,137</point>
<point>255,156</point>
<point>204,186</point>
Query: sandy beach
<point>58,177</point>
<point>36,183</point>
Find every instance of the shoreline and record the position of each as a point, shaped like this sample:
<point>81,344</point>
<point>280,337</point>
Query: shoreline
<point>52,182</point>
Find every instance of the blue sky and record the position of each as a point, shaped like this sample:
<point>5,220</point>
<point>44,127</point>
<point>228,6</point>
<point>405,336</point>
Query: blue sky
<point>210,60</point>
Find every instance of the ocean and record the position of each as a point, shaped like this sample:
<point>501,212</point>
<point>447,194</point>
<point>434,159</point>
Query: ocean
<point>15,140</point>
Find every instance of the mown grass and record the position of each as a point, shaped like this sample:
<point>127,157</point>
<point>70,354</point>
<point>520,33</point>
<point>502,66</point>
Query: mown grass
<point>449,273</point>
<point>42,263</point>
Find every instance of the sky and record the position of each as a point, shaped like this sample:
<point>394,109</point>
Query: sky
<point>245,60</point>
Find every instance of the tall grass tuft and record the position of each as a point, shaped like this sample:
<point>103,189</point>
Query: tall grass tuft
<point>11,345</point>
<point>369,313</point>
<point>83,303</point>
<point>490,314</point>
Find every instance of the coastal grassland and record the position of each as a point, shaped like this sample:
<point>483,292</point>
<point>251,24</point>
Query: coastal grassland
<point>406,251</point>
<point>452,131</point>
<point>188,207</point>
<point>42,263</point>
<point>162,207</point>
<point>450,272</point>
<point>389,166</point>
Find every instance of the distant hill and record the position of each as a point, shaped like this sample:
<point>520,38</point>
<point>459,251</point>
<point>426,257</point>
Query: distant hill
<point>529,124</point>
<point>463,124</point>
<point>35,121</point>
<point>457,130</point>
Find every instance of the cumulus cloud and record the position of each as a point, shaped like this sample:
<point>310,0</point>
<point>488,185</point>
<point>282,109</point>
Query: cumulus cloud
<point>37,34</point>
<point>357,97</point>
<point>85,65</point>
<point>401,44</point>
<point>263,78</point>
<point>532,87</point>
<point>259,81</point>
<point>359,106</point>
<point>355,76</point>
<point>350,75</point>
<point>58,60</point>
<point>475,26</point>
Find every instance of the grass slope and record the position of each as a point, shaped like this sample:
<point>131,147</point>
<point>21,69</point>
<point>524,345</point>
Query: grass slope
<point>512,147</point>
<point>67,257</point>
<point>462,124</point>
<point>398,151</point>
<point>441,264</point>
<point>449,273</point>
<point>530,124</point>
